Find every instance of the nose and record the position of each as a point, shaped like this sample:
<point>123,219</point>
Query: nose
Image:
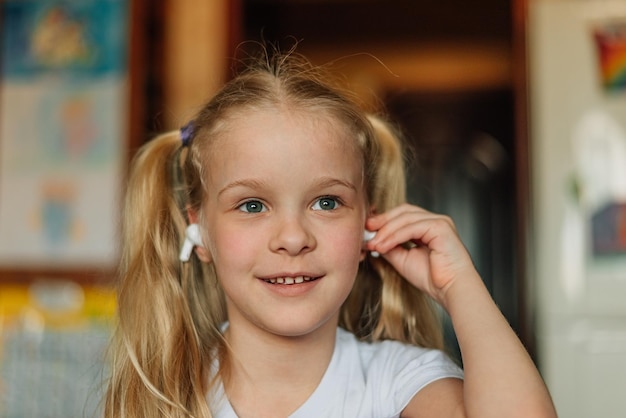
<point>292,235</point>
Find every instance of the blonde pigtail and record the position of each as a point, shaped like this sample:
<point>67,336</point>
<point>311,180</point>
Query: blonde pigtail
<point>383,305</point>
<point>160,350</point>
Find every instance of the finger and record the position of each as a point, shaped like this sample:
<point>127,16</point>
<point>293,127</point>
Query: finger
<point>398,218</point>
<point>375,222</point>
<point>434,231</point>
<point>394,219</point>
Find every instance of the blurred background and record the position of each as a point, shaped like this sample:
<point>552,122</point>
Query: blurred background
<point>515,112</point>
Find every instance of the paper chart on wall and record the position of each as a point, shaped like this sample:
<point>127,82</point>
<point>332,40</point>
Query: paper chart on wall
<point>62,131</point>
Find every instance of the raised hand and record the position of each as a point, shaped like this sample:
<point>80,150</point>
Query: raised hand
<point>422,246</point>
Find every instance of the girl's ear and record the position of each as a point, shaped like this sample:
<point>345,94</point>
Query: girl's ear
<point>201,251</point>
<point>203,254</point>
<point>192,215</point>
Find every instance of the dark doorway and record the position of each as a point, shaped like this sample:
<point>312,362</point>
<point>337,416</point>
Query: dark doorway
<point>461,164</point>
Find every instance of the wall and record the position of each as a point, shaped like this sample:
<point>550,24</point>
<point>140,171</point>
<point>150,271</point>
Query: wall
<point>581,314</point>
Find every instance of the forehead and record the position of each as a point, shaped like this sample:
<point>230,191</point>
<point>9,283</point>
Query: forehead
<point>268,139</point>
<point>253,126</point>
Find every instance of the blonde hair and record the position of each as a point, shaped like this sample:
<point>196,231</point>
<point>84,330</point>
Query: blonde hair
<point>168,335</point>
<point>382,304</point>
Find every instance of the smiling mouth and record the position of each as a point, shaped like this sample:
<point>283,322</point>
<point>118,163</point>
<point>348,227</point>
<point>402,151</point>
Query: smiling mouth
<point>290,280</point>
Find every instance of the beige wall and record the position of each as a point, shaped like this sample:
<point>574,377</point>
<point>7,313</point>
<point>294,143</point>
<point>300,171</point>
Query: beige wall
<point>582,314</point>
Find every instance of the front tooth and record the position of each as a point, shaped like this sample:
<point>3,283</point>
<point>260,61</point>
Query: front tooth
<point>280,280</point>
<point>299,279</point>
<point>289,280</point>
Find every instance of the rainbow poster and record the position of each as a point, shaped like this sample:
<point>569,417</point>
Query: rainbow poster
<point>610,40</point>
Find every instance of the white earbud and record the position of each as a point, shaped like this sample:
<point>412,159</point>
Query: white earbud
<point>368,236</point>
<point>192,238</point>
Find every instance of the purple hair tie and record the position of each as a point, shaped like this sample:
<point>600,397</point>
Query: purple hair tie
<point>186,133</point>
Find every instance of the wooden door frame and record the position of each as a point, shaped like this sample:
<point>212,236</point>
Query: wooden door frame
<point>524,254</point>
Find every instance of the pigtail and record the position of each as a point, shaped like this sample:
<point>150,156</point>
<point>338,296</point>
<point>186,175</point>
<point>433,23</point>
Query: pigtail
<point>383,305</point>
<point>168,310</point>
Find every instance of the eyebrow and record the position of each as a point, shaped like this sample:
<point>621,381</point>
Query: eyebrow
<point>324,182</point>
<point>321,183</point>
<point>248,183</point>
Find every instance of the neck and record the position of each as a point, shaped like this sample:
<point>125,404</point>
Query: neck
<point>265,356</point>
<point>264,367</point>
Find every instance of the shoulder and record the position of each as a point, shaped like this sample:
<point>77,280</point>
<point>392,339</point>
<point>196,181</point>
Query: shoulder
<point>394,372</point>
<point>392,356</point>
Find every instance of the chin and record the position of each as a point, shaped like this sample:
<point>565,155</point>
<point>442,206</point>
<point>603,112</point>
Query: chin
<point>300,327</point>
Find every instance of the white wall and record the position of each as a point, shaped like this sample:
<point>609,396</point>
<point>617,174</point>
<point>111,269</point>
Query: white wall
<point>582,300</point>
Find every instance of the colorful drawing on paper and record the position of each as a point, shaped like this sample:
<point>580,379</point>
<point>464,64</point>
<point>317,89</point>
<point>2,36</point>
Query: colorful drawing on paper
<point>67,38</point>
<point>609,230</point>
<point>73,126</point>
<point>62,128</point>
<point>610,41</point>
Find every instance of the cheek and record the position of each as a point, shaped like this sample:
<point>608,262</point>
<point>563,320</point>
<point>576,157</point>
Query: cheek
<point>346,245</point>
<point>345,257</point>
<point>232,245</point>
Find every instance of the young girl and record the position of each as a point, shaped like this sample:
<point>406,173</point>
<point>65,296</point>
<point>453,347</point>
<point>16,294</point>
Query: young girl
<point>283,309</point>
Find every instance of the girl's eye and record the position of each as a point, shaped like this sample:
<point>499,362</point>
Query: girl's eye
<point>326,203</point>
<point>252,206</point>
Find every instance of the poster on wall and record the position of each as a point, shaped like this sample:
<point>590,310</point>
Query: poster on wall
<point>610,41</point>
<point>63,100</point>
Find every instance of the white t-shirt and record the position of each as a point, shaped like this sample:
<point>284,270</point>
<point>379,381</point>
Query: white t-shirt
<point>364,380</point>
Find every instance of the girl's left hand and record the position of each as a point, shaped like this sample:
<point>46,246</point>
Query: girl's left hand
<point>434,259</point>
